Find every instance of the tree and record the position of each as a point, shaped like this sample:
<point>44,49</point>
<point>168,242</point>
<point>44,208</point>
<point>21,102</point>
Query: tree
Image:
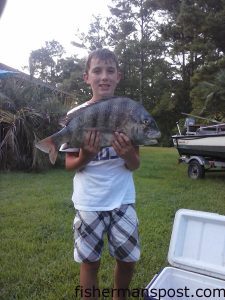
<point>42,62</point>
<point>192,42</point>
<point>28,112</point>
<point>71,75</point>
<point>19,131</point>
<point>95,38</point>
<point>208,92</point>
<point>134,33</point>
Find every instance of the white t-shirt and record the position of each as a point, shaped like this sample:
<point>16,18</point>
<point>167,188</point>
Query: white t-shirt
<point>104,183</point>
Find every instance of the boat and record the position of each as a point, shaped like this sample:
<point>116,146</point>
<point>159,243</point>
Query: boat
<point>207,141</point>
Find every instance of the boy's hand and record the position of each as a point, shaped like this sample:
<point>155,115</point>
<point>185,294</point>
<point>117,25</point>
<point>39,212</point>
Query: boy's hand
<point>124,148</point>
<point>122,145</point>
<point>91,145</point>
<point>90,148</point>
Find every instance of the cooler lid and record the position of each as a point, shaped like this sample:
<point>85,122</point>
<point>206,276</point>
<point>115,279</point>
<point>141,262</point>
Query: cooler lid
<point>198,242</point>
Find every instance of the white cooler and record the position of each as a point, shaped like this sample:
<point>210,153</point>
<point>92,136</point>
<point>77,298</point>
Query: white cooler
<point>197,259</point>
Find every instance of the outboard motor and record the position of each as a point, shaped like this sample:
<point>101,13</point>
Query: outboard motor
<point>189,125</point>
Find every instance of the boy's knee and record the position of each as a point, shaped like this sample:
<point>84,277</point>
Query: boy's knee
<point>91,266</point>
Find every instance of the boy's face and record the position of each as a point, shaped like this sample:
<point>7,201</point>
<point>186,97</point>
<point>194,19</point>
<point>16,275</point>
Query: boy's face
<point>103,77</point>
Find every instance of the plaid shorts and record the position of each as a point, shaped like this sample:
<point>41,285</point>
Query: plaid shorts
<point>121,227</point>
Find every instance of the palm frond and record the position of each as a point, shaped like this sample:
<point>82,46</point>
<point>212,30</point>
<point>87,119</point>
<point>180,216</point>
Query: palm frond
<point>18,132</point>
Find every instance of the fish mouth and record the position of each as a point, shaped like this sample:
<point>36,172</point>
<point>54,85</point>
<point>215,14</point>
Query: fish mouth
<point>151,142</point>
<point>153,135</point>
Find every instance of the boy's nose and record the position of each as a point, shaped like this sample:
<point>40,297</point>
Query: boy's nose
<point>104,75</point>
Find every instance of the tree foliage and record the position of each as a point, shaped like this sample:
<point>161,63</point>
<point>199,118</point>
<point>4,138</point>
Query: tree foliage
<point>42,62</point>
<point>208,90</point>
<point>28,112</point>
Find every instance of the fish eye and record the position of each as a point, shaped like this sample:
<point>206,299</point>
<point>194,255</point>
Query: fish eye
<point>145,122</point>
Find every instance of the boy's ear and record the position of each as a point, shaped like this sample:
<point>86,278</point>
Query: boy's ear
<point>119,76</point>
<point>85,77</point>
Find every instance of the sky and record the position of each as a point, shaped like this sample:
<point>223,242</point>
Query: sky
<point>26,25</point>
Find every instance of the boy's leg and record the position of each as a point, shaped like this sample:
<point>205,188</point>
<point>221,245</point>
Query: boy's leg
<point>124,246</point>
<point>122,278</point>
<point>89,280</point>
<point>89,228</point>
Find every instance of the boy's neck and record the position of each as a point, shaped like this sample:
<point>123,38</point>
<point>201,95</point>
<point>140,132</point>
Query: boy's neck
<point>93,99</point>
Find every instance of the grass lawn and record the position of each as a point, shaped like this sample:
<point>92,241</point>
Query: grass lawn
<point>36,225</point>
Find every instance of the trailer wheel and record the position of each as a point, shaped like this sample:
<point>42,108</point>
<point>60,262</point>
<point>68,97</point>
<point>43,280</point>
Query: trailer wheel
<point>196,170</point>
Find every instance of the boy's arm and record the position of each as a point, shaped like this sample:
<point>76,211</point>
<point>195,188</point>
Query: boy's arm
<point>126,150</point>
<point>77,160</point>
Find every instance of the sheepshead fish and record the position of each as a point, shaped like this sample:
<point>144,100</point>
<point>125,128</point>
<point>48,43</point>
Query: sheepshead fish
<point>119,114</point>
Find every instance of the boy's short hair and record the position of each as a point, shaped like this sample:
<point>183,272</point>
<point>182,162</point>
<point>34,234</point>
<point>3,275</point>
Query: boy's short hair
<point>102,54</point>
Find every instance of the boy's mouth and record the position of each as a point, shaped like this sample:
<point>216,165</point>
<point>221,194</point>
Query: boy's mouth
<point>104,86</point>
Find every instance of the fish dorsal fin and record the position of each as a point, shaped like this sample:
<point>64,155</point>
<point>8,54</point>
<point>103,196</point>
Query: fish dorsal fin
<point>76,112</point>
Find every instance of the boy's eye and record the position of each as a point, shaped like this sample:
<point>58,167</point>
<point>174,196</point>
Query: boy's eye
<point>96,71</point>
<point>111,71</point>
<point>99,70</point>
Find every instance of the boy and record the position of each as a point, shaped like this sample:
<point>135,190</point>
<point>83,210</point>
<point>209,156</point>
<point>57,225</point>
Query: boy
<point>104,193</point>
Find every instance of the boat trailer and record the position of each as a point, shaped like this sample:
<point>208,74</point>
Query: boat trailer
<point>198,165</point>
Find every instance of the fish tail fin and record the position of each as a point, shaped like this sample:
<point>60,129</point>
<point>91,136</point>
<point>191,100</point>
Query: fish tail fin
<point>48,146</point>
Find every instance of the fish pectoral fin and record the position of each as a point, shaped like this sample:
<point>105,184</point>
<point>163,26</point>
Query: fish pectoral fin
<point>46,145</point>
